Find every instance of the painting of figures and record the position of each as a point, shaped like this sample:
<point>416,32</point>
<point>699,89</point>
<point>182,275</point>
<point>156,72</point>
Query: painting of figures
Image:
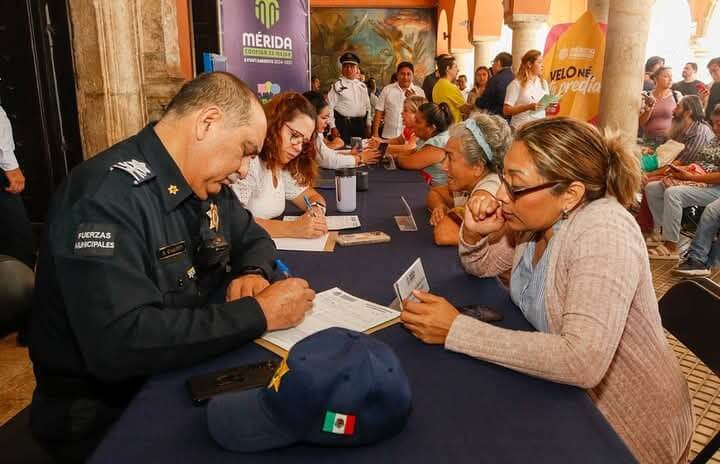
<point>382,38</point>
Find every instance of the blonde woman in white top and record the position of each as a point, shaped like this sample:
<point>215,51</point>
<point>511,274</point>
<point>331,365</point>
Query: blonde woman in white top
<point>284,170</point>
<point>525,92</point>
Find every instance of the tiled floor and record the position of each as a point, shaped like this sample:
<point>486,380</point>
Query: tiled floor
<point>17,381</point>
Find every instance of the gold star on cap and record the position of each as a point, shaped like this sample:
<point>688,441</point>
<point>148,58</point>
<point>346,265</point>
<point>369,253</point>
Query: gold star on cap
<point>278,375</point>
<point>173,190</point>
<point>212,213</point>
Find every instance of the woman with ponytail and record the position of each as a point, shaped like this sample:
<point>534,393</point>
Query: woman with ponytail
<point>579,272</point>
<point>431,128</point>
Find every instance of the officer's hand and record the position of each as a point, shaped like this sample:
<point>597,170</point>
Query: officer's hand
<point>284,303</point>
<point>309,225</point>
<point>16,179</point>
<point>247,285</point>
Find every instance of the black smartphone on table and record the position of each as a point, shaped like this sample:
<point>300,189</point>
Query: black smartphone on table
<point>204,387</point>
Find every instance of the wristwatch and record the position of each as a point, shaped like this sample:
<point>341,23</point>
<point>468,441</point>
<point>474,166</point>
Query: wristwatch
<point>250,270</point>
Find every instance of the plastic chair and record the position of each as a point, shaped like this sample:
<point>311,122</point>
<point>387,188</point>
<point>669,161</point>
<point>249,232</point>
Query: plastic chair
<point>690,311</point>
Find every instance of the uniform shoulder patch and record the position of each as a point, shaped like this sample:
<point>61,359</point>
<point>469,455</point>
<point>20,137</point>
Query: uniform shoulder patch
<point>139,170</point>
<point>92,239</point>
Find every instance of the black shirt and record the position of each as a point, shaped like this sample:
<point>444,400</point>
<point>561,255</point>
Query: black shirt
<point>687,88</point>
<point>119,294</point>
<point>713,99</point>
<point>493,98</point>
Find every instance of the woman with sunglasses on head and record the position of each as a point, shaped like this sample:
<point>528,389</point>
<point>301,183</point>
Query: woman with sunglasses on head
<point>581,277</point>
<point>472,156</point>
<point>406,142</point>
<point>431,125</point>
<point>284,170</point>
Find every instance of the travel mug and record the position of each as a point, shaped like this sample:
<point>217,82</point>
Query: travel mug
<point>345,189</point>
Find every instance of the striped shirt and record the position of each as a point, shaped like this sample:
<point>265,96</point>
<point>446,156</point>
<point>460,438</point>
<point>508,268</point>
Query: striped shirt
<point>694,137</point>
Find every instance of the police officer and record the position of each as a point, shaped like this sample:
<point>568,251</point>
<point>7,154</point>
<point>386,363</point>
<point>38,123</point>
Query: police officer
<point>349,102</point>
<point>150,264</point>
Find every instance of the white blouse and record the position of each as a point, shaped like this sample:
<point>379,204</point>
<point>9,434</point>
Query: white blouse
<point>258,194</point>
<point>330,159</point>
<point>517,95</point>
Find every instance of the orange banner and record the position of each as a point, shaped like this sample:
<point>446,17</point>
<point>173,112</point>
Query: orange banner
<point>573,62</point>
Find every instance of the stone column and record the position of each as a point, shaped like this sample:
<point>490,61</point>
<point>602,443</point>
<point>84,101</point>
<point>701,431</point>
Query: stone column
<point>483,51</point>
<point>108,71</point>
<point>464,59</point>
<point>127,66</point>
<point>525,35</point>
<point>599,9</point>
<point>627,34</point>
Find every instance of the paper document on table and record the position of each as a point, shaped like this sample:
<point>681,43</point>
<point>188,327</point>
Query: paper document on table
<point>301,244</point>
<point>412,279</point>
<point>334,308</point>
<point>406,223</point>
<point>335,222</point>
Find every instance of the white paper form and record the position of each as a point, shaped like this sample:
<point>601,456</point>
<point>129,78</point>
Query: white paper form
<point>335,222</point>
<point>301,244</point>
<point>412,279</point>
<point>334,308</point>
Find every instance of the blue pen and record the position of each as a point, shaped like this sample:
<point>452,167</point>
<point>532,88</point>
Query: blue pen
<point>282,267</point>
<point>308,204</point>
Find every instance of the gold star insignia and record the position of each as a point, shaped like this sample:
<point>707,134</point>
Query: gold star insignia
<point>278,375</point>
<point>212,213</point>
<point>173,190</point>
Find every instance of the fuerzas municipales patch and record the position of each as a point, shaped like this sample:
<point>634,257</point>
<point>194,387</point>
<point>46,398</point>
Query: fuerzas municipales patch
<point>95,239</point>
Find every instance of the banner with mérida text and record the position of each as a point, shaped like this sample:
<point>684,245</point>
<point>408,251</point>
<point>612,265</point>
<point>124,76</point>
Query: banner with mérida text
<point>266,44</point>
<point>573,63</point>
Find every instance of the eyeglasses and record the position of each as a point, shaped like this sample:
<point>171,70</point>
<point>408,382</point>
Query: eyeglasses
<point>516,194</point>
<point>297,137</point>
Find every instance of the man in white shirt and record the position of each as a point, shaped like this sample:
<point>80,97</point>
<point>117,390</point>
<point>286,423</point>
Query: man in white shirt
<point>390,103</point>
<point>462,81</point>
<point>16,237</point>
<point>349,102</point>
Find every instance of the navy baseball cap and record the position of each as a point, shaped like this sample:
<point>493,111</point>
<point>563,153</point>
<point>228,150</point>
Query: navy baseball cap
<point>336,388</point>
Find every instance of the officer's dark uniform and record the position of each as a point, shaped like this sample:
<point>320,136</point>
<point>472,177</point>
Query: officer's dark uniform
<point>128,285</point>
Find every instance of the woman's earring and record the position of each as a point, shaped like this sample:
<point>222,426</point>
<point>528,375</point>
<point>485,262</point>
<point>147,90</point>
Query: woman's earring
<point>564,215</point>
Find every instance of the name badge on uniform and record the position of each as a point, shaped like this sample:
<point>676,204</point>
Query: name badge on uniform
<point>171,251</point>
<point>95,239</point>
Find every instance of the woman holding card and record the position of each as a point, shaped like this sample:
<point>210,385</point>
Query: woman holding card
<point>580,275</point>
<point>284,170</point>
<point>472,156</point>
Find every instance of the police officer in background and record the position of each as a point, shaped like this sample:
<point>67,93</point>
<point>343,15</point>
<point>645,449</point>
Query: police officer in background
<point>150,263</point>
<point>349,102</point>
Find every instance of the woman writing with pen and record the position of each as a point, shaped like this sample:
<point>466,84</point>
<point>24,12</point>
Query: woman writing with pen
<point>284,170</point>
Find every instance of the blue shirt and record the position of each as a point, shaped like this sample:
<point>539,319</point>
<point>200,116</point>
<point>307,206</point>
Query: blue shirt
<point>439,177</point>
<point>527,284</point>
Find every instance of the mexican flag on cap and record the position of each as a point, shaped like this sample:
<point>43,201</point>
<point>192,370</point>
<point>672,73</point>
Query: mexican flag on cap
<point>342,424</point>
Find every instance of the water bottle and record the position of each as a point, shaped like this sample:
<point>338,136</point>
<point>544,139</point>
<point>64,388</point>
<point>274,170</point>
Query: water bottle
<point>345,189</point>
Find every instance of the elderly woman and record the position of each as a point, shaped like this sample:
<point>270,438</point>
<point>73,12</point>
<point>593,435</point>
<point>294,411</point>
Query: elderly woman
<point>472,156</point>
<point>581,277</point>
<point>406,142</point>
<point>284,170</point>
<point>431,127</point>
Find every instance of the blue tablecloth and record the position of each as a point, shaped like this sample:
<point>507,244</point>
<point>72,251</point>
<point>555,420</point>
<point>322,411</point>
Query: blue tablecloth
<point>464,410</point>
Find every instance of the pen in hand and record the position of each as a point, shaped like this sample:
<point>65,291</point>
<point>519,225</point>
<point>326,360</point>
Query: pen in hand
<point>308,205</point>
<point>282,267</point>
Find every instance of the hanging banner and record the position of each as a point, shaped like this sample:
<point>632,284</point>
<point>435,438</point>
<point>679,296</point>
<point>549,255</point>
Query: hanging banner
<point>266,44</point>
<point>573,63</point>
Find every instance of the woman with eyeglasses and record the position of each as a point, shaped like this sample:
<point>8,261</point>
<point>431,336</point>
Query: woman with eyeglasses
<point>581,277</point>
<point>472,156</point>
<point>284,170</point>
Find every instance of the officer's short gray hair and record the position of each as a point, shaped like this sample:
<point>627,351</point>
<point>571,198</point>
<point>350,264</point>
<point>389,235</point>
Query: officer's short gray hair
<point>219,88</point>
<point>497,134</point>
